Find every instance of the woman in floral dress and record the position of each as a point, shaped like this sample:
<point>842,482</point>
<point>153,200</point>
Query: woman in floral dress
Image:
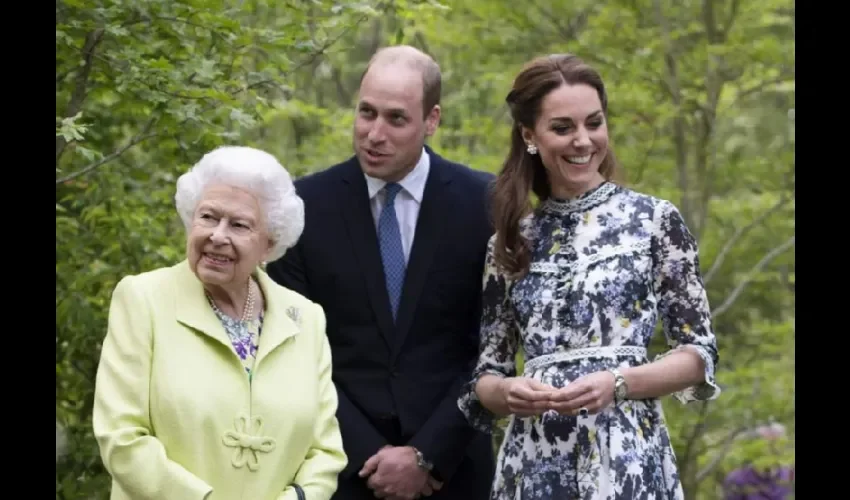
<point>579,281</point>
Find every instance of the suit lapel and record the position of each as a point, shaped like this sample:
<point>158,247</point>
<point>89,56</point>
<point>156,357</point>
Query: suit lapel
<point>364,242</point>
<point>433,210</point>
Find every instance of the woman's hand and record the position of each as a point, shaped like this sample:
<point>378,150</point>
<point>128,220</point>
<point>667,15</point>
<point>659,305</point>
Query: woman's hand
<point>525,396</point>
<point>592,392</point>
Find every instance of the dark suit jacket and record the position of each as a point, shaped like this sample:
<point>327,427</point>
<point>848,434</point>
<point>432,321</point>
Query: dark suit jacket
<point>409,372</point>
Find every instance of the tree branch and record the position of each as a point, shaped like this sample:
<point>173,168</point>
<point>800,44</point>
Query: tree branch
<point>671,77</point>
<point>759,87</point>
<point>330,42</point>
<point>78,95</point>
<point>745,431</point>
<point>640,167</point>
<point>305,62</point>
<point>739,233</point>
<point>576,24</point>
<point>751,275</point>
<point>696,431</point>
<point>728,442</point>
<point>140,137</point>
<point>730,20</point>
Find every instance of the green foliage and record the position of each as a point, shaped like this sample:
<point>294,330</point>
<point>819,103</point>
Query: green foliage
<point>142,91</point>
<point>702,112</point>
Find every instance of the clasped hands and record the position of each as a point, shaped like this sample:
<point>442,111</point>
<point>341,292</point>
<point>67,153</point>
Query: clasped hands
<point>527,397</point>
<point>394,473</point>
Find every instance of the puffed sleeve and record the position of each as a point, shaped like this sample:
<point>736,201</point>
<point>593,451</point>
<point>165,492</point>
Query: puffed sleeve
<point>317,476</point>
<point>136,460</point>
<point>498,344</point>
<point>682,300</point>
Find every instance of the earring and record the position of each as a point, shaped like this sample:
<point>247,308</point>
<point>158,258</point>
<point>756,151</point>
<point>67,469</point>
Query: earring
<point>532,149</point>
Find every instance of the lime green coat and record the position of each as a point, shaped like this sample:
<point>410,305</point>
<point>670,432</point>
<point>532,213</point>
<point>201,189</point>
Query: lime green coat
<point>175,415</point>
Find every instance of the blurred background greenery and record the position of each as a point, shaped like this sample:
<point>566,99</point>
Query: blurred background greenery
<point>702,113</point>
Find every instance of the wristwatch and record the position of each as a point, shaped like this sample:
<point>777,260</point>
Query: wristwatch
<point>421,462</point>
<point>620,387</point>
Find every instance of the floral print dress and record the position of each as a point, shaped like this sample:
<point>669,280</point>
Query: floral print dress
<point>604,266</point>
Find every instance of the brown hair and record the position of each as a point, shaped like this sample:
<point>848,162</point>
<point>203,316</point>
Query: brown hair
<point>522,172</point>
<point>416,60</point>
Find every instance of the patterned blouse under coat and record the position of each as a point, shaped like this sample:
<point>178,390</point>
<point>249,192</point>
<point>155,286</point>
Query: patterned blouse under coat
<point>244,337</point>
<point>604,267</point>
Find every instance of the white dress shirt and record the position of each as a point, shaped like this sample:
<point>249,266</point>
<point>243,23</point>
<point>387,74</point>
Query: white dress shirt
<point>407,201</point>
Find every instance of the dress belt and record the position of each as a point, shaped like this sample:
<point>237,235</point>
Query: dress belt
<point>584,352</point>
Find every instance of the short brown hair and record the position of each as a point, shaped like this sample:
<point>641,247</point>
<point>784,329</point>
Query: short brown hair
<point>417,60</point>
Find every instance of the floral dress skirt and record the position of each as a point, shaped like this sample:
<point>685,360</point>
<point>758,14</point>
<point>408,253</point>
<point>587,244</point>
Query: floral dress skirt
<point>621,453</point>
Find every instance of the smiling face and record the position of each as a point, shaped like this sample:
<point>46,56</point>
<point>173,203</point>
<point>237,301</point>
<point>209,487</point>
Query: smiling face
<point>228,237</point>
<point>390,129</point>
<point>571,135</point>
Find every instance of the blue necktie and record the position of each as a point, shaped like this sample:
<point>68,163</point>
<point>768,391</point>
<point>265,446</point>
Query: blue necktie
<point>392,253</point>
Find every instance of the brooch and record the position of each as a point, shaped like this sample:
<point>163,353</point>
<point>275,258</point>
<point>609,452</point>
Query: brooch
<point>294,314</point>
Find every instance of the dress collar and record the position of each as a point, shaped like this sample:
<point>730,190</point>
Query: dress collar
<point>581,203</point>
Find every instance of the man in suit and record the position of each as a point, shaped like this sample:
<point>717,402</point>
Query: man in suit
<point>393,249</point>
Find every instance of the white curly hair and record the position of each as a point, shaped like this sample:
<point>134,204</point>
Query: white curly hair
<point>257,172</point>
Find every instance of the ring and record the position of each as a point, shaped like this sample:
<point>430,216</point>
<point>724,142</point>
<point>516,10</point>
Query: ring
<point>582,412</point>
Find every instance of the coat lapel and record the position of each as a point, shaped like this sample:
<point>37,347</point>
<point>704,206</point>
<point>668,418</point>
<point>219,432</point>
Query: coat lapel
<point>364,242</point>
<point>433,210</point>
<point>194,311</point>
<point>281,320</point>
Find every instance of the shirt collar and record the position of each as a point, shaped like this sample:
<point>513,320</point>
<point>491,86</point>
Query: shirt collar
<point>413,182</point>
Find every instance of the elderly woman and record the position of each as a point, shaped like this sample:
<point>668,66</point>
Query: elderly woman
<point>579,281</point>
<point>215,382</point>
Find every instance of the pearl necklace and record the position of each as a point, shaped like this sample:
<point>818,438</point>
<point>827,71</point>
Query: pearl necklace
<point>247,310</point>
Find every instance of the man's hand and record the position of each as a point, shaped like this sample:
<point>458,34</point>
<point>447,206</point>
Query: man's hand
<point>394,473</point>
<point>431,486</point>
